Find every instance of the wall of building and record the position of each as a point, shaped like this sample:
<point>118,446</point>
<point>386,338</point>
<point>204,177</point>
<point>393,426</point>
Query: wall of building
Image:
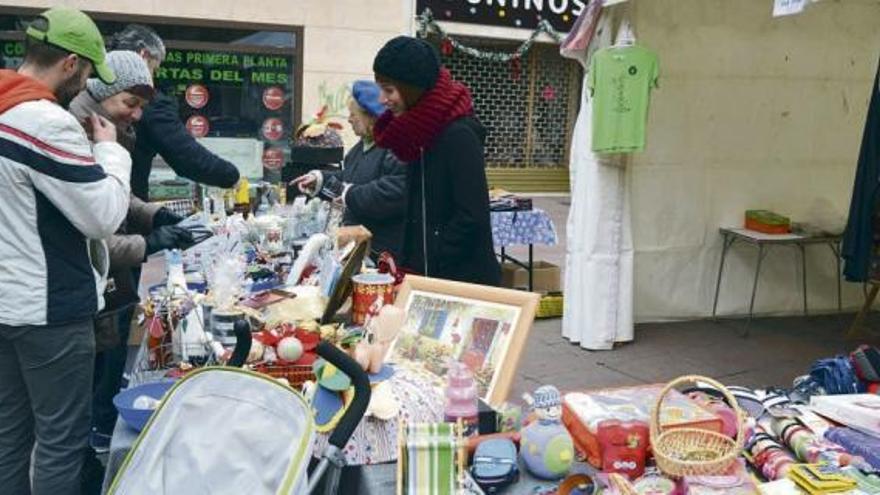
<point>341,36</point>
<point>752,112</point>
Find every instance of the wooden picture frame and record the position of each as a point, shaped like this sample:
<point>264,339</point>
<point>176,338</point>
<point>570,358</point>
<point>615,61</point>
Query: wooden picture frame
<point>484,327</point>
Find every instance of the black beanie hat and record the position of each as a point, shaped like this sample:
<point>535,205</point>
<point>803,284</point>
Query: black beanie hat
<point>408,60</point>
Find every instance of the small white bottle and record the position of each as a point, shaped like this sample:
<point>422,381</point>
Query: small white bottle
<point>176,280</point>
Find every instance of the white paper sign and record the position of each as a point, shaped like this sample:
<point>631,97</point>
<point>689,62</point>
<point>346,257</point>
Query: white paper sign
<point>788,7</point>
<point>245,153</point>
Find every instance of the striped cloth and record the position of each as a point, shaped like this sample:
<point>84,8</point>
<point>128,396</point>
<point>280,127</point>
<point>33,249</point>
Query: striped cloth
<point>182,207</point>
<point>430,459</point>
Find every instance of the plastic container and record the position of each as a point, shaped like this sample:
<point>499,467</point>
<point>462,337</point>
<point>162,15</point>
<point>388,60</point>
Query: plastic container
<point>124,402</point>
<point>462,398</point>
<point>624,446</point>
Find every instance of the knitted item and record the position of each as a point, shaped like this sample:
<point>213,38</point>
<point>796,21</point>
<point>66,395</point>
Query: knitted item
<point>546,396</point>
<point>408,60</point>
<point>366,94</point>
<point>131,72</point>
<point>414,131</point>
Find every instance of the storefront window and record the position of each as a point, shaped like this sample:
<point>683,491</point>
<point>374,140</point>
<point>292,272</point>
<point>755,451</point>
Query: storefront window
<point>237,89</point>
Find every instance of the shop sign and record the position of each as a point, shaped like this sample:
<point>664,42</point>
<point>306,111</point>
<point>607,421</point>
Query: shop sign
<point>273,129</point>
<point>198,126</point>
<point>273,158</point>
<point>197,96</point>
<point>11,54</point>
<point>525,14</point>
<point>273,98</point>
<point>232,95</point>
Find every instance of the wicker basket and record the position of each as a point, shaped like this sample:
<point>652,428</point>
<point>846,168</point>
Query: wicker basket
<point>550,306</point>
<point>690,451</point>
<point>295,374</point>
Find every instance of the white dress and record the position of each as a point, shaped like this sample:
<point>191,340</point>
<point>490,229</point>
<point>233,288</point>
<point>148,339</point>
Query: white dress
<point>599,250</point>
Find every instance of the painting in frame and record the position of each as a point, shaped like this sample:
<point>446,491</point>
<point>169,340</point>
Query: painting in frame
<point>483,327</point>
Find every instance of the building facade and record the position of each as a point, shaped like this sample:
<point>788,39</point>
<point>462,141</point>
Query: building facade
<point>257,70</point>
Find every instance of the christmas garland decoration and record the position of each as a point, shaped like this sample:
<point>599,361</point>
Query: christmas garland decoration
<point>448,43</point>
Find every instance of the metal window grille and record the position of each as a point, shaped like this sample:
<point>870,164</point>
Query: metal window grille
<point>529,117</point>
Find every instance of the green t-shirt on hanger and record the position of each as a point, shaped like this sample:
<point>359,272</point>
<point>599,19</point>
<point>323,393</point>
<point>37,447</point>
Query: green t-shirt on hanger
<point>620,81</point>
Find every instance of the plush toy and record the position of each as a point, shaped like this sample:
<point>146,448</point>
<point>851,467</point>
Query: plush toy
<point>308,256</point>
<point>547,449</point>
<point>381,329</point>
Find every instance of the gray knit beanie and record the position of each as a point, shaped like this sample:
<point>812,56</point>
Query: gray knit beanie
<point>132,73</point>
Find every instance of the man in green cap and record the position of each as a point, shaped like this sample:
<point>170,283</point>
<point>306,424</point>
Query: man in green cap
<point>59,196</point>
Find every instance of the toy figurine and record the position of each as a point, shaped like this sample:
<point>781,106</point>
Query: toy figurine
<point>308,256</point>
<point>382,327</point>
<point>547,449</point>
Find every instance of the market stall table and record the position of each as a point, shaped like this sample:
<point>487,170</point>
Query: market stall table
<point>763,242</point>
<point>522,228</point>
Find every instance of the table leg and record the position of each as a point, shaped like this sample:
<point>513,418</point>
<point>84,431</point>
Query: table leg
<point>803,250</point>
<point>835,248</point>
<point>856,329</point>
<point>755,284</point>
<point>726,243</point>
<point>531,267</point>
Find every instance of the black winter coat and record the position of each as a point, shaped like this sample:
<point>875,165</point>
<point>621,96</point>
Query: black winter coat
<point>449,206</point>
<point>858,239</point>
<point>160,131</point>
<point>377,196</point>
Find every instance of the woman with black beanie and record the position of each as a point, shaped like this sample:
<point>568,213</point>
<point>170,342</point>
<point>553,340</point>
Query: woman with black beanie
<point>431,126</point>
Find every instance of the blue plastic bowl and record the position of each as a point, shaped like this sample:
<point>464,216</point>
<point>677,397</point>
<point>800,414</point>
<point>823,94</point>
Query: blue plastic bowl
<point>124,401</point>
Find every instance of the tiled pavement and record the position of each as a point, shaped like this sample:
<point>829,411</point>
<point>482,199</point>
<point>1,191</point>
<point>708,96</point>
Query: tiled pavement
<point>776,351</point>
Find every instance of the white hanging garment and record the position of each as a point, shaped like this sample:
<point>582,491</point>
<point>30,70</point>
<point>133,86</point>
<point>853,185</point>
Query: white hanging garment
<point>599,251</point>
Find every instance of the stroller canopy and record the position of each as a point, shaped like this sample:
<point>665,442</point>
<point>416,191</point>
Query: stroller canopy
<point>218,431</point>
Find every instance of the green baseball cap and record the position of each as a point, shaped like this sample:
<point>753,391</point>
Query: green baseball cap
<point>75,32</point>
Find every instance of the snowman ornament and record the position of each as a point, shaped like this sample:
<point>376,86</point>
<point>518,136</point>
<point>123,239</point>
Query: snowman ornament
<point>547,449</point>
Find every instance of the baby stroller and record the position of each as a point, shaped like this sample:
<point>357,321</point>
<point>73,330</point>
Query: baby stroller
<point>224,430</point>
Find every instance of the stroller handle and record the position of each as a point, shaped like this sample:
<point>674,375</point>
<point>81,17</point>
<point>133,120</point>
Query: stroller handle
<point>352,417</point>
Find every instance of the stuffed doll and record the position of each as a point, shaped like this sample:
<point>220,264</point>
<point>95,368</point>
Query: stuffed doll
<point>380,331</point>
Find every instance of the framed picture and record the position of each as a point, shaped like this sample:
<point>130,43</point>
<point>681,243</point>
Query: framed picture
<point>482,327</point>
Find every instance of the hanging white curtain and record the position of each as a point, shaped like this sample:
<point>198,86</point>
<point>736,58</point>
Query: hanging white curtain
<point>599,251</point>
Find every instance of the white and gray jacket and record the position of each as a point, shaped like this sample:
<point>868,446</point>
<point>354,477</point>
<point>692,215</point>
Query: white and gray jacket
<point>57,193</point>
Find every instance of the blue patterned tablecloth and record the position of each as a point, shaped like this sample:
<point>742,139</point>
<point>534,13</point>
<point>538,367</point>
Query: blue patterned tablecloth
<point>511,228</point>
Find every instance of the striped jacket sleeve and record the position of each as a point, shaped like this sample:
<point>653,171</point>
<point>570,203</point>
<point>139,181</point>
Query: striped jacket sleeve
<point>89,185</point>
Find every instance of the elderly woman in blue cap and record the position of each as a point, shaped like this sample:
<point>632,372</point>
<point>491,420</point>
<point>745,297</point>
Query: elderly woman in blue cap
<point>372,182</point>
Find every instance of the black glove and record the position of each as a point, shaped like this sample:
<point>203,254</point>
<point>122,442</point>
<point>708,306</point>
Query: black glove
<point>168,237</point>
<point>164,216</point>
<point>332,189</point>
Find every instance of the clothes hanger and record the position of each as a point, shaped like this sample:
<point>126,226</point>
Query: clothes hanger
<point>626,36</point>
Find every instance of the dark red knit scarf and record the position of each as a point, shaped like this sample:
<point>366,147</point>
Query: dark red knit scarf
<point>417,128</point>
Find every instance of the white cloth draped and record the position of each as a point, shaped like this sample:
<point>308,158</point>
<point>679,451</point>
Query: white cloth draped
<point>599,249</point>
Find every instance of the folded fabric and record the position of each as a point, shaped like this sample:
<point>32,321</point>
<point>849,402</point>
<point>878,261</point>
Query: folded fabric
<point>837,376</point>
<point>866,360</point>
<point>857,443</point>
<point>430,459</point>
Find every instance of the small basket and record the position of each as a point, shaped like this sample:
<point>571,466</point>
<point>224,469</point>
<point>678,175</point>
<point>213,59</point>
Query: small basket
<point>295,374</point>
<point>550,306</point>
<point>683,452</point>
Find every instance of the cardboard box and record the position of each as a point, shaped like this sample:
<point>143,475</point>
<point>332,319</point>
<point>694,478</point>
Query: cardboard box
<point>546,277</point>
